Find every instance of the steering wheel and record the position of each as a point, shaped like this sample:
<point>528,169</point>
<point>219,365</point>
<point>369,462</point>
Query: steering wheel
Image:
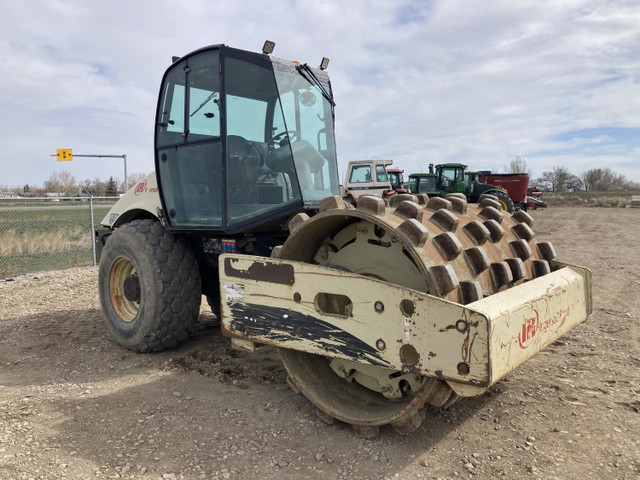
<point>271,144</point>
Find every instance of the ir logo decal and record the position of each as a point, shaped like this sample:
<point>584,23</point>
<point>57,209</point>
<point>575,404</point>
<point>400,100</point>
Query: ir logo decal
<point>140,188</point>
<point>530,327</point>
<point>533,326</point>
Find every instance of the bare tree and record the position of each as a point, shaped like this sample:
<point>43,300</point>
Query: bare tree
<point>574,183</point>
<point>95,187</point>
<point>518,165</point>
<point>631,186</point>
<point>605,179</point>
<point>560,179</point>
<point>132,179</point>
<point>61,182</point>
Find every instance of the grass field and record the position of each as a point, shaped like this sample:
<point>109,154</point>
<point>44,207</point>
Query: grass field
<point>589,199</point>
<point>46,238</point>
<point>41,236</point>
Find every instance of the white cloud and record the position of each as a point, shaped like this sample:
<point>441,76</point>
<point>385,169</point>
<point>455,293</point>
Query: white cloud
<point>421,82</point>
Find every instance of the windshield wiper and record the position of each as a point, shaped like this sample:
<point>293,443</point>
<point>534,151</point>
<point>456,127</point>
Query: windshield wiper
<point>305,71</point>
<point>202,104</point>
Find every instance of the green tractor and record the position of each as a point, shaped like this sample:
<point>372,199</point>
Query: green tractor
<point>453,178</point>
<point>423,183</point>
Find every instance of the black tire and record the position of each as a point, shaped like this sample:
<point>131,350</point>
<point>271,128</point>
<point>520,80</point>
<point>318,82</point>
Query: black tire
<point>149,285</point>
<point>505,201</point>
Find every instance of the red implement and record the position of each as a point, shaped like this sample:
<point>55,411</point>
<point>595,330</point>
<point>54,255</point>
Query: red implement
<point>515,184</point>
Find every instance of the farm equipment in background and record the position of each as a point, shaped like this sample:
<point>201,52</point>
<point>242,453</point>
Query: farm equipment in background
<point>397,179</point>
<point>452,178</point>
<point>534,203</point>
<point>533,199</point>
<point>367,177</point>
<point>378,310</point>
<point>516,185</point>
<point>426,183</point>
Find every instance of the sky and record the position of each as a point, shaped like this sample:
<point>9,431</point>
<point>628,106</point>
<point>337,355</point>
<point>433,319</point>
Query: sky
<point>555,82</point>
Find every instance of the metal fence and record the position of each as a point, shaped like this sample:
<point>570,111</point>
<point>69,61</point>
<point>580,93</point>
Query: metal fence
<point>38,234</point>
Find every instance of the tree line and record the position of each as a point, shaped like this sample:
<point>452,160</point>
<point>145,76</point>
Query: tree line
<point>560,179</point>
<point>63,183</point>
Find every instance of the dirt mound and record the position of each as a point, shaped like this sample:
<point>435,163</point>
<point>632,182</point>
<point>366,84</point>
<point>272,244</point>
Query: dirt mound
<point>220,361</point>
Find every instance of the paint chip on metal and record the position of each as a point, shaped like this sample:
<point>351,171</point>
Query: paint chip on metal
<point>260,271</point>
<point>233,291</point>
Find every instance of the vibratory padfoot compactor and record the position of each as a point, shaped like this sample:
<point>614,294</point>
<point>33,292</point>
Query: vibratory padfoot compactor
<point>378,310</point>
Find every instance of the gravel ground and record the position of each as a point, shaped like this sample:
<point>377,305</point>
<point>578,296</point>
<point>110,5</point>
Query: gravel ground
<point>73,404</point>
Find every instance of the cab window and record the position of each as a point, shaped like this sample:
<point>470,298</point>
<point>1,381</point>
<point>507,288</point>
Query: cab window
<point>360,174</point>
<point>381,173</point>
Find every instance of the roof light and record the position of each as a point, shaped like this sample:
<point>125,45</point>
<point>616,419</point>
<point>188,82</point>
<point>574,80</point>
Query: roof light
<point>324,63</point>
<point>268,47</point>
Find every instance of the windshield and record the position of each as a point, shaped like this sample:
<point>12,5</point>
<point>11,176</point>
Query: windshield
<point>422,184</point>
<point>306,120</point>
<point>396,180</point>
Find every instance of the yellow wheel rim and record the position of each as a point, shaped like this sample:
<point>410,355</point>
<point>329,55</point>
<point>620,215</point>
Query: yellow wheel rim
<point>126,309</point>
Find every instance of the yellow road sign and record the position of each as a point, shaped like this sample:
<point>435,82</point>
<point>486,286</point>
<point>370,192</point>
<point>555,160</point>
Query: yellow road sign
<point>64,155</point>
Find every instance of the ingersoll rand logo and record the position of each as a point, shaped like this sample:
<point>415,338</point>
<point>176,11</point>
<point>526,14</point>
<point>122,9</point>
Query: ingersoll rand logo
<point>530,327</point>
<point>140,188</point>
